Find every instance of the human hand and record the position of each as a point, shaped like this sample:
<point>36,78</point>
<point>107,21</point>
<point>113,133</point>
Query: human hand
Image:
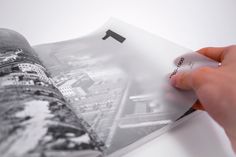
<point>215,88</point>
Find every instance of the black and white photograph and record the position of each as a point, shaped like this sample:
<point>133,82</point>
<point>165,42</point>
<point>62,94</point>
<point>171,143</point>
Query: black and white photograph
<point>122,100</point>
<point>35,119</point>
<point>117,78</point>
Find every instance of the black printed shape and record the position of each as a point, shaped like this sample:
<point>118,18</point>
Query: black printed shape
<point>110,33</point>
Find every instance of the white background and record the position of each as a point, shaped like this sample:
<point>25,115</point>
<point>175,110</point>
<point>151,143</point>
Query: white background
<point>191,23</point>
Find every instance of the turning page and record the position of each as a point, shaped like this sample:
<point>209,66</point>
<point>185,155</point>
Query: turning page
<point>117,79</point>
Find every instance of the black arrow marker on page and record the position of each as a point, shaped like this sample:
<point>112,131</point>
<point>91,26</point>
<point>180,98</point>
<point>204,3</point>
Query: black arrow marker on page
<point>110,33</point>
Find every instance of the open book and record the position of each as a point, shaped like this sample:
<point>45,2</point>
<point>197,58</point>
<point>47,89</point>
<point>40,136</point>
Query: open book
<point>100,95</point>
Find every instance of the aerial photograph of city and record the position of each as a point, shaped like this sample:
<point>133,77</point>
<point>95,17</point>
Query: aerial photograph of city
<point>116,107</point>
<point>35,118</point>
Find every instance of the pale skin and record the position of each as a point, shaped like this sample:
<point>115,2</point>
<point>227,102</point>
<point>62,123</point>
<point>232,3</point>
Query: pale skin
<point>215,88</point>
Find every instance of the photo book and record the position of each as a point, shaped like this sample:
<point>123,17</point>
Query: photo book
<point>103,94</point>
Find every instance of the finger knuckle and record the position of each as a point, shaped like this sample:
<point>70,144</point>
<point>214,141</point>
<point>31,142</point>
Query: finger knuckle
<point>232,46</point>
<point>200,75</point>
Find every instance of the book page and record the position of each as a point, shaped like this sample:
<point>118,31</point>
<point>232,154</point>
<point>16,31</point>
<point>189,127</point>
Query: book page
<point>35,118</point>
<point>117,79</point>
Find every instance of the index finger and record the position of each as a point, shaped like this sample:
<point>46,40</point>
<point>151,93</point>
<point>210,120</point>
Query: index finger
<point>215,53</point>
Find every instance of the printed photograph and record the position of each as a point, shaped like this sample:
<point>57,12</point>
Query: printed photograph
<point>35,119</point>
<point>121,109</point>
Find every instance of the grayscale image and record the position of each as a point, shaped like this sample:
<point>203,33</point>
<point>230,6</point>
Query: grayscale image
<point>35,119</point>
<point>95,96</point>
<point>119,93</point>
<point>116,108</point>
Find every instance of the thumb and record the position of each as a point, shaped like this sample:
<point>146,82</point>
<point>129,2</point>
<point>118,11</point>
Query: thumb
<point>191,80</point>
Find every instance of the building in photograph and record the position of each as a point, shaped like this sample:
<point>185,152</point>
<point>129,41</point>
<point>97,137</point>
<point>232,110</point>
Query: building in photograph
<point>75,85</point>
<point>145,112</point>
<point>37,69</point>
<point>10,55</point>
